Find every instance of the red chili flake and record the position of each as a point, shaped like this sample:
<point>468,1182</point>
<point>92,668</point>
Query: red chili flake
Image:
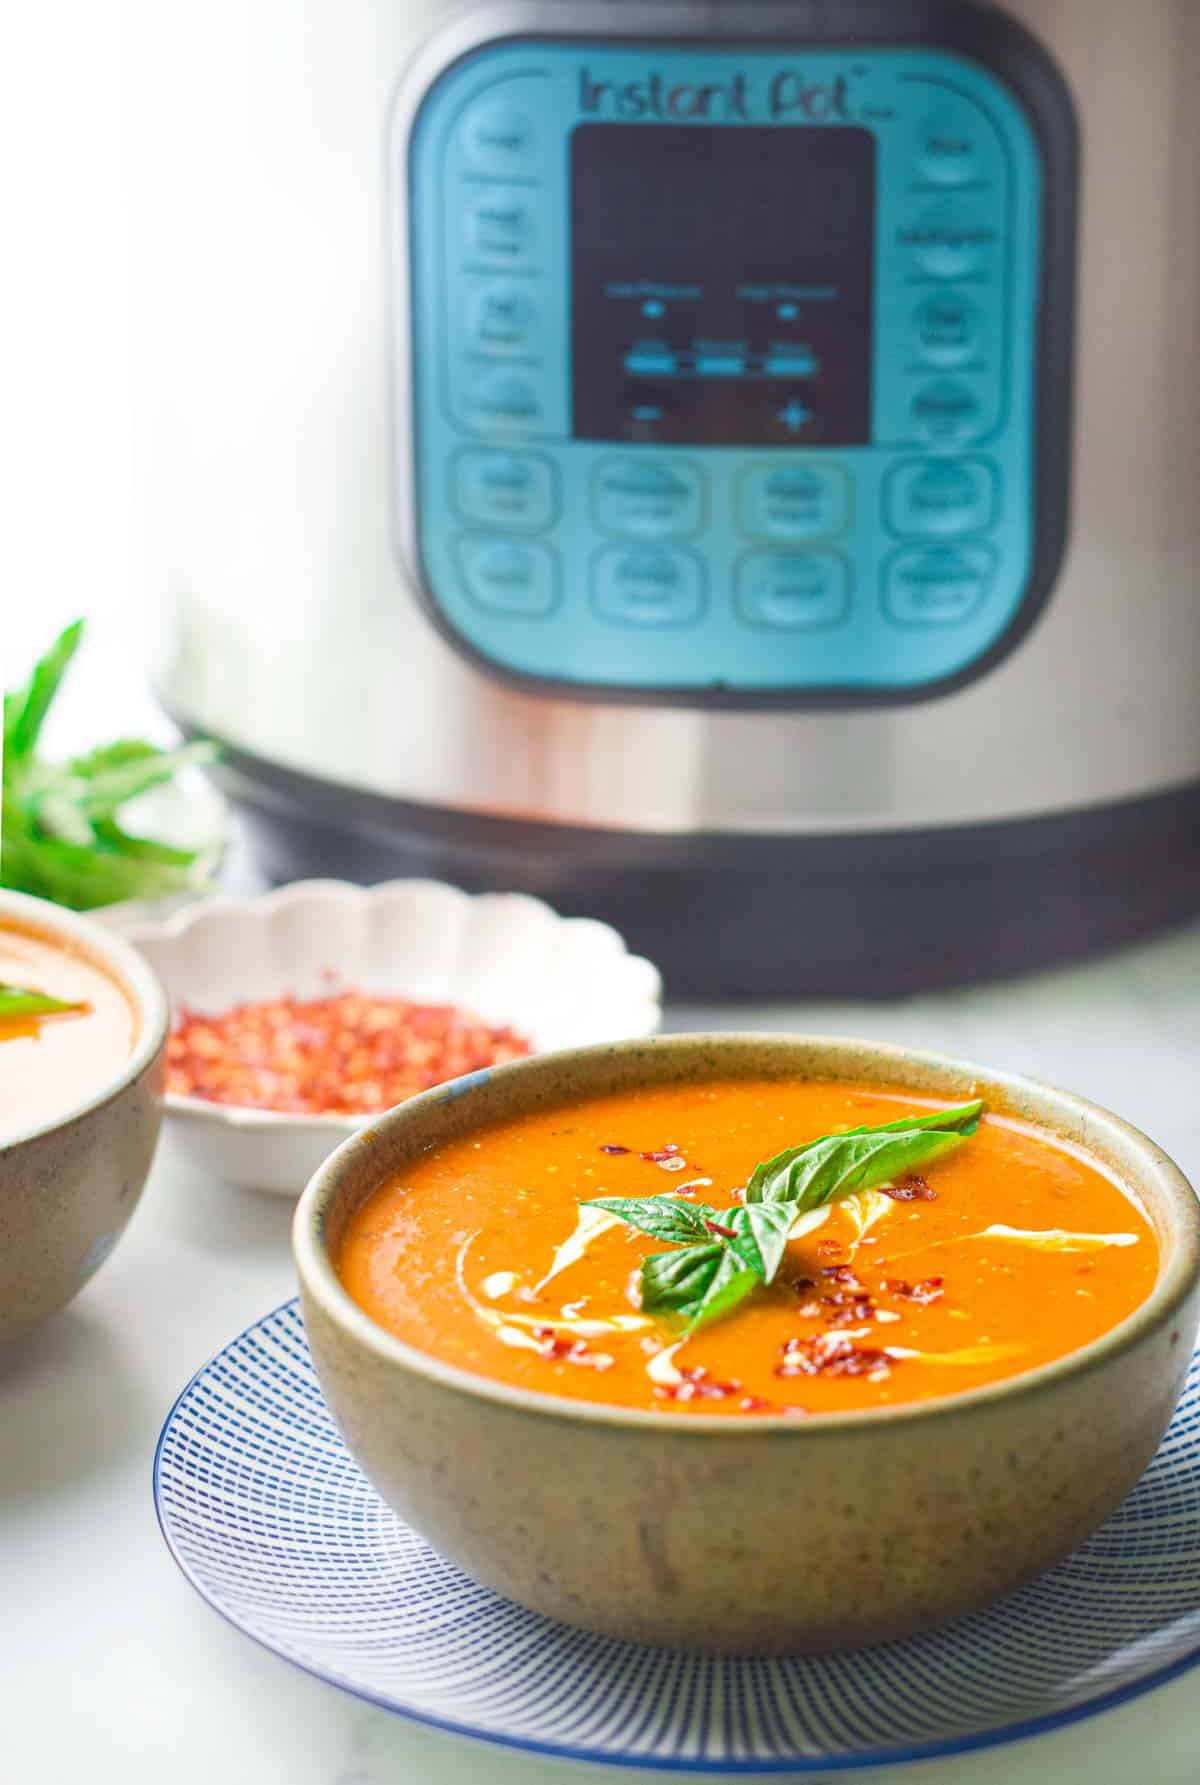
<point>831,1354</point>
<point>800,1284</point>
<point>350,1053</point>
<point>614,1149</point>
<point>913,1189</point>
<point>698,1385</point>
<point>827,1248</point>
<point>561,1348</point>
<point>657,1158</point>
<point>726,1233</point>
<point>847,1310</point>
<point>754,1404</point>
<point>841,1273</point>
<point>929,1289</point>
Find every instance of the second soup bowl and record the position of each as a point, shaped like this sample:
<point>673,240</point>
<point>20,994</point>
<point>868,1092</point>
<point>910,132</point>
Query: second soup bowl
<point>765,1535</point>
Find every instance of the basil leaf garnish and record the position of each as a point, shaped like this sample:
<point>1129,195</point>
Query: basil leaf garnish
<point>762,1230</point>
<point>728,1253</point>
<point>17,1001</point>
<point>662,1217</point>
<point>839,1164</point>
<point>700,1282</point>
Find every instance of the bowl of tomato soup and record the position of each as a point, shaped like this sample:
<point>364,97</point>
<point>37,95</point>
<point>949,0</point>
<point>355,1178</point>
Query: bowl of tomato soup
<point>83,1028</point>
<point>751,1344</point>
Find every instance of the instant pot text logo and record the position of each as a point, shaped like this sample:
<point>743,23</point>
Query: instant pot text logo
<point>782,97</point>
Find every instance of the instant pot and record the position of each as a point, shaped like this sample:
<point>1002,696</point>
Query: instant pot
<point>730,468</point>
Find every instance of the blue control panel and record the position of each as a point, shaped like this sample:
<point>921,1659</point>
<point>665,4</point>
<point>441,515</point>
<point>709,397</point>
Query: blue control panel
<point>724,363</point>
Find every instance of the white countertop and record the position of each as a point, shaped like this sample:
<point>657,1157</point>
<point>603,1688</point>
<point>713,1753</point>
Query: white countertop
<point>111,1668</point>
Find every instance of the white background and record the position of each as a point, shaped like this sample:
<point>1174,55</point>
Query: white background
<point>68,490</point>
<point>110,1669</point>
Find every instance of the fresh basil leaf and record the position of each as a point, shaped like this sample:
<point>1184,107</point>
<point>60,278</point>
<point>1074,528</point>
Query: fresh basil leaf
<point>762,1230</point>
<point>23,720</point>
<point>144,849</point>
<point>18,1001</point>
<point>844,1163</point>
<point>701,1282</point>
<point>680,1280</point>
<point>840,1164</point>
<point>732,1282</point>
<point>102,792</point>
<point>961,1118</point>
<point>662,1217</point>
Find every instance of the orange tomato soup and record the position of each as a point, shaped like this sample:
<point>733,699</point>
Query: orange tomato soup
<point>50,1064</point>
<point>1008,1253</point>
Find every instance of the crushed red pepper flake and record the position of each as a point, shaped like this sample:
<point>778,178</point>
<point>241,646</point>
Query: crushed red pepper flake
<point>832,1354</point>
<point>698,1385</point>
<point>913,1189</point>
<point>349,1053</point>
<point>929,1289</point>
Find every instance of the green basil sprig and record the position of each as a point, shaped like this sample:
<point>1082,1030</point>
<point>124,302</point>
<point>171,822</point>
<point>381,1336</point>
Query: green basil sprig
<point>728,1253</point>
<point>17,1001</point>
<point>839,1164</point>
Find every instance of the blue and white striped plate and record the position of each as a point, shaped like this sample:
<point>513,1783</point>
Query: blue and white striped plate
<point>271,1521</point>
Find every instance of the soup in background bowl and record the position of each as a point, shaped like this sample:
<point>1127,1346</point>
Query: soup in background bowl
<point>751,1344</point>
<point>83,1024</point>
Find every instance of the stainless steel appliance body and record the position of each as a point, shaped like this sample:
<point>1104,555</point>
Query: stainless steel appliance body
<point>802,822</point>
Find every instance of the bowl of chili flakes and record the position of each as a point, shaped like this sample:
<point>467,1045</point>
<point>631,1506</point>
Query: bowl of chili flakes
<point>302,1014</point>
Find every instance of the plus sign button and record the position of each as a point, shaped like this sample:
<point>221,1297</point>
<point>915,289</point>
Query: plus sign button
<point>791,420</point>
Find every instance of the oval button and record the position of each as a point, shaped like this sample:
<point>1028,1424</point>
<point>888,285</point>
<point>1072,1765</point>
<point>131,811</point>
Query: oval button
<point>929,498</point>
<point>791,502</point>
<point>647,587</point>
<point>504,400</point>
<point>949,241</point>
<point>507,489</point>
<point>499,139</point>
<point>946,327</point>
<point>948,147</point>
<point>945,413</point>
<point>793,591</point>
<point>508,576</point>
<point>647,498</point>
<point>936,585</point>
<point>499,226</point>
<point>502,318</point>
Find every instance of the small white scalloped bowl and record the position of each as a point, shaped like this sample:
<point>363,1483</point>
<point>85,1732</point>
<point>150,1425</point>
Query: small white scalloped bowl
<point>507,958</point>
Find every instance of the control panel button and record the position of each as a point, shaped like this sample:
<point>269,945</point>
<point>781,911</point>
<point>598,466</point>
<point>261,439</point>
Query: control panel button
<point>792,502</point>
<point>936,585</point>
<point>499,139</point>
<point>946,329</point>
<point>928,498</point>
<point>502,318</point>
<point>946,412</point>
<point>949,241</point>
<point>793,591</point>
<point>948,148</point>
<point>499,226</point>
<point>501,399</point>
<point>647,498</point>
<point>504,489</point>
<point>509,576</point>
<point>647,586</point>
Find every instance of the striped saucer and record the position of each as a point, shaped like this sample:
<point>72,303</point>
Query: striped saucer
<point>273,1523</point>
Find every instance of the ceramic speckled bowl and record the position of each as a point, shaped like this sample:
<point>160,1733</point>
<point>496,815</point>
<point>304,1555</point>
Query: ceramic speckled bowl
<point>767,1536</point>
<point>67,1189</point>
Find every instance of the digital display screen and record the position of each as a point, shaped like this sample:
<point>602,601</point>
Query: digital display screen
<point>722,284</point>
